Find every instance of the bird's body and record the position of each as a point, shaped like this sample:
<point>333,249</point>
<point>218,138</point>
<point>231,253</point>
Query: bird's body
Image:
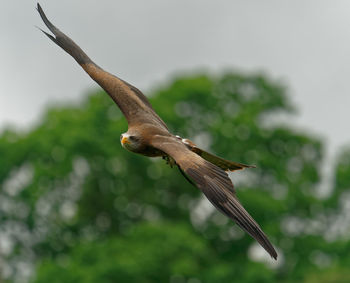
<point>139,140</point>
<point>148,135</point>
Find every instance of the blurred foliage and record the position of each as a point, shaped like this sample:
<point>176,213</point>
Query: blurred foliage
<point>77,207</point>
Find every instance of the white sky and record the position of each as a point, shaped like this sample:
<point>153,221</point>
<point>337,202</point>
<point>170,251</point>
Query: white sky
<point>304,43</point>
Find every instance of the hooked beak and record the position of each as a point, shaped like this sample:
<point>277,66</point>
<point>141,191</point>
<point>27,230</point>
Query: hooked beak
<point>125,140</point>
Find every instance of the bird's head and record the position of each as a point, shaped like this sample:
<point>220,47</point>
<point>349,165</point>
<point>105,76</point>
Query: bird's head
<point>130,141</point>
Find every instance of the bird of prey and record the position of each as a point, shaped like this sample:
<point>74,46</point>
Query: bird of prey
<point>148,135</point>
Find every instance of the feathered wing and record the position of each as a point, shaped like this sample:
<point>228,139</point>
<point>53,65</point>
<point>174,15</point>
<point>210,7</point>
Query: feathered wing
<point>216,186</point>
<point>131,101</point>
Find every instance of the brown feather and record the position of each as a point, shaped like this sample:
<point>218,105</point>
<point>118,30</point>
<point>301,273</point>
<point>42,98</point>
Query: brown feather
<point>224,164</point>
<point>131,101</point>
<point>216,186</point>
<point>141,117</point>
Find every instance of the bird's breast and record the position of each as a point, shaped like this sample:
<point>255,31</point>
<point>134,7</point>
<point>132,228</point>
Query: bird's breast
<point>151,152</point>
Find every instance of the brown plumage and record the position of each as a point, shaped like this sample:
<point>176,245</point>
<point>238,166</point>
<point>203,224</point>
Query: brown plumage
<point>148,135</point>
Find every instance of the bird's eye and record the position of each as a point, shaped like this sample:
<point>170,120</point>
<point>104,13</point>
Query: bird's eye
<point>133,138</point>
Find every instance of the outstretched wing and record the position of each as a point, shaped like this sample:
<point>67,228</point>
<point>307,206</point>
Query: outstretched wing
<point>216,186</point>
<point>134,105</point>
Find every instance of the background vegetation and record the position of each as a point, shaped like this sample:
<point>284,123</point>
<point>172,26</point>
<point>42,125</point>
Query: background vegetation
<point>76,207</point>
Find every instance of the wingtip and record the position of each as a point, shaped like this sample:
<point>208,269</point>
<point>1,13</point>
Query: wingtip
<point>62,40</point>
<point>269,248</point>
<point>266,244</point>
<point>50,26</point>
<point>47,34</point>
<point>38,8</point>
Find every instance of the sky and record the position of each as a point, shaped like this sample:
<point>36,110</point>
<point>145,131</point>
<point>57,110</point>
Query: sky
<point>304,44</point>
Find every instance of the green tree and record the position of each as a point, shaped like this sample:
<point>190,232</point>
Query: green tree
<point>73,200</point>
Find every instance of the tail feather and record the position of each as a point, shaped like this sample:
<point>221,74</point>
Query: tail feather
<point>224,164</point>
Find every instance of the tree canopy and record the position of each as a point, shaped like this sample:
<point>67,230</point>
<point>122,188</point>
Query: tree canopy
<point>76,207</point>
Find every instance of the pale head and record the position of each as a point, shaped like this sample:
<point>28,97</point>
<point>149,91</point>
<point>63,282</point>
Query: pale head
<point>130,141</point>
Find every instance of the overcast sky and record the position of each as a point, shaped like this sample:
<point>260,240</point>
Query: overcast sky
<point>306,44</point>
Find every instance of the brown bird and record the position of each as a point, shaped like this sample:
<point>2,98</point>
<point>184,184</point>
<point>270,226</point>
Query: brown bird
<point>148,135</point>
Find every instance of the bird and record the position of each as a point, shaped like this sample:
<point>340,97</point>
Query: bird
<point>148,135</point>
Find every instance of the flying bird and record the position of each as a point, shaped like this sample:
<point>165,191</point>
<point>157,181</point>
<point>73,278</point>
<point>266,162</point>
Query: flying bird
<point>148,135</point>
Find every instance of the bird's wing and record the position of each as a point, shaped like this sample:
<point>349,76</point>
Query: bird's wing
<point>131,101</point>
<point>216,186</point>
